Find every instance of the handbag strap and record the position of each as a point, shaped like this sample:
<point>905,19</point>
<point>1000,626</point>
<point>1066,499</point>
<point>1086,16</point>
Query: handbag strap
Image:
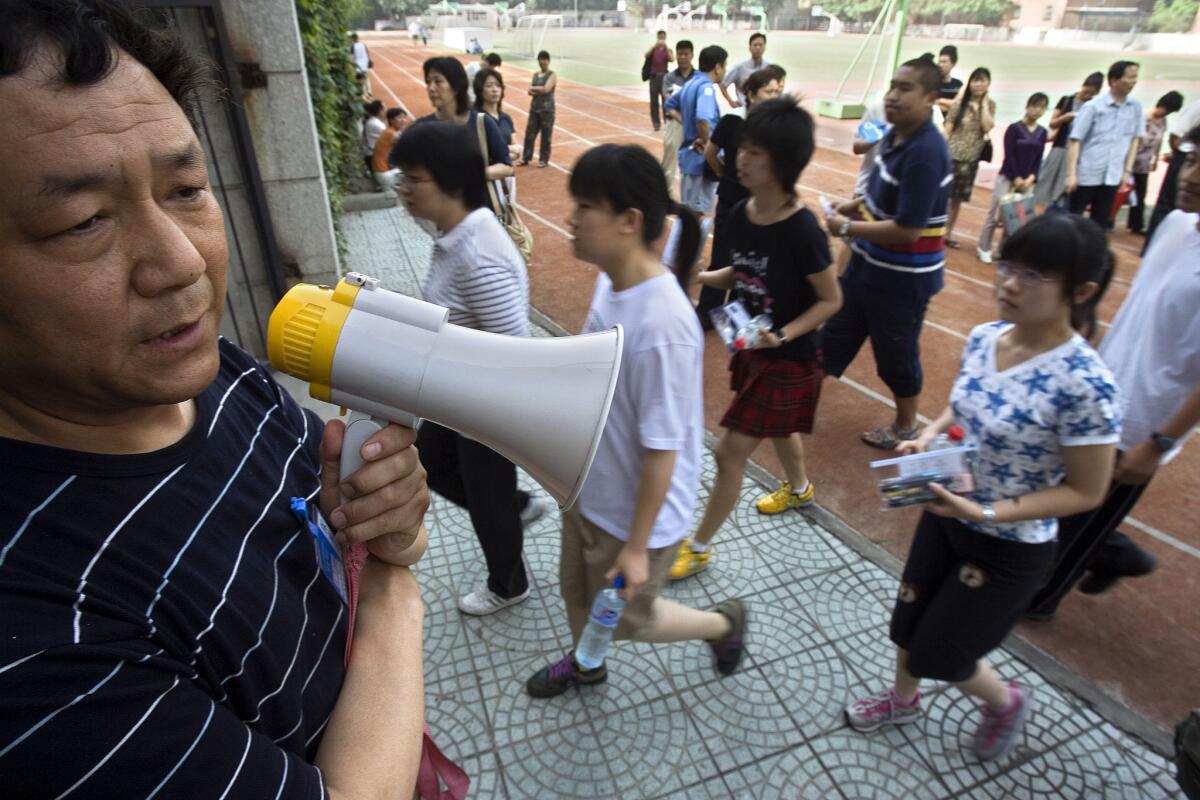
<point>497,207</point>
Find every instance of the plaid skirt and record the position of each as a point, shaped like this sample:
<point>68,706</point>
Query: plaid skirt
<point>776,397</point>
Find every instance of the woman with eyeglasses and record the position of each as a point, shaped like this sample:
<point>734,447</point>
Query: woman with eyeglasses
<point>478,273</point>
<point>446,84</point>
<point>1042,409</point>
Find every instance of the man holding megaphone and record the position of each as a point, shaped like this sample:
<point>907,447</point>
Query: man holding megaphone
<point>167,625</point>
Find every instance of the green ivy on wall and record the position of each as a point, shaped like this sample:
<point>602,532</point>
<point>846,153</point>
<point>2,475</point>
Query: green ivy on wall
<point>335,99</point>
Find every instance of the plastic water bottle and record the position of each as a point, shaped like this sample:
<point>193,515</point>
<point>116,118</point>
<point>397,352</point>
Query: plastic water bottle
<point>749,333</point>
<point>953,437</point>
<point>602,622</point>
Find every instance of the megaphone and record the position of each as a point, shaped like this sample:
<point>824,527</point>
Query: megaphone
<point>540,402</point>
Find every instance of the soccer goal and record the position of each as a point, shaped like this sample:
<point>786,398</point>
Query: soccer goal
<point>963,30</point>
<point>531,31</point>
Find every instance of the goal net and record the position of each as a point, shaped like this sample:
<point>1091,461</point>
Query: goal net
<point>530,32</point>
<point>963,30</point>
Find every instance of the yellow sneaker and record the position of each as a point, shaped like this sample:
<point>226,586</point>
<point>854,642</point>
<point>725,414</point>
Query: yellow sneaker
<point>784,498</point>
<point>688,561</point>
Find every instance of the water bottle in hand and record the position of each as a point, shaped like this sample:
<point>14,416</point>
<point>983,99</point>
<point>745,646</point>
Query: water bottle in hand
<point>953,437</point>
<point>749,335</point>
<point>602,622</point>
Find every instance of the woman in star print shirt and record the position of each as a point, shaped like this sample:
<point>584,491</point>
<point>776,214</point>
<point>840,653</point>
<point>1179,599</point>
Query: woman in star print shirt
<point>1042,409</point>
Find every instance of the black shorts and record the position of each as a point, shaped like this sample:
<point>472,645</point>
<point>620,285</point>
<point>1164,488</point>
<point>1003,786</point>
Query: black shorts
<point>961,594</point>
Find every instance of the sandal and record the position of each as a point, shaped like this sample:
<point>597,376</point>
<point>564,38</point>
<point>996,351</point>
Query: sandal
<point>953,244</point>
<point>543,164</point>
<point>887,437</point>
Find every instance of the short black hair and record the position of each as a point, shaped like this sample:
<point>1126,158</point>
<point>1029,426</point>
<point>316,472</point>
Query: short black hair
<point>543,54</point>
<point>1117,70</point>
<point>1193,136</point>
<point>392,113</point>
<point>758,35</point>
<point>758,79</point>
<point>1095,80</point>
<point>480,79</point>
<point>1037,99</point>
<point>493,59</point>
<point>373,108</point>
<point>1070,247</point>
<point>785,130</point>
<point>660,33</point>
<point>89,33</point>
<point>685,44</point>
<point>450,154</point>
<point>951,51</point>
<point>777,72</point>
<point>455,74</point>
<point>712,57</point>
<point>928,74</point>
<point>1171,101</point>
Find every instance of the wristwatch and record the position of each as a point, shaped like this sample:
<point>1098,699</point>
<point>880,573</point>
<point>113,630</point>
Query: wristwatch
<point>1163,444</point>
<point>844,230</point>
<point>988,512</point>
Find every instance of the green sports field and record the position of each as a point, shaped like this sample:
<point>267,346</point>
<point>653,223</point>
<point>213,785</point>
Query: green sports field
<point>816,62</point>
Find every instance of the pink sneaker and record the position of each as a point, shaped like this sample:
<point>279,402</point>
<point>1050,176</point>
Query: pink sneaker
<point>1000,731</point>
<point>872,713</point>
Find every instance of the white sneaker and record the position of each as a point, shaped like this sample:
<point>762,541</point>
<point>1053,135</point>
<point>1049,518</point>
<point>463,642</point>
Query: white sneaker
<point>984,255</point>
<point>484,601</point>
<point>535,508</point>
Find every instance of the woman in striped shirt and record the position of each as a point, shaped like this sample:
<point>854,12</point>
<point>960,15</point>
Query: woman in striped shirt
<point>478,273</point>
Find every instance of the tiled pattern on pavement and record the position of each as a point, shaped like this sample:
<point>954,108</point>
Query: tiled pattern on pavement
<point>664,725</point>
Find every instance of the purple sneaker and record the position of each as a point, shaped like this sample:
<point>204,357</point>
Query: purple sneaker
<point>872,713</point>
<point>727,652</point>
<point>555,679</point>
<point>1000,731</point>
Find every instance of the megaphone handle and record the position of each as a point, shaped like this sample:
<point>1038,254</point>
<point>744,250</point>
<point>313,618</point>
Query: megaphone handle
<point>359,428</point>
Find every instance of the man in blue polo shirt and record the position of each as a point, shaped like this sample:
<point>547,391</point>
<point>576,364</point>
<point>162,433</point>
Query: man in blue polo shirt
<point>1104,140</point>
<point>696,104</point>
<point>897,234</point>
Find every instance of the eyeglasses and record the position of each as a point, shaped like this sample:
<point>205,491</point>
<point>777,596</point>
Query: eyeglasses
<point>1028,278</point>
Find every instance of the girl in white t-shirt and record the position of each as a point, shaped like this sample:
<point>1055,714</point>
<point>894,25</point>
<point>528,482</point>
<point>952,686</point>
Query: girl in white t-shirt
<point>641,491</point>
<point>1042,409</point>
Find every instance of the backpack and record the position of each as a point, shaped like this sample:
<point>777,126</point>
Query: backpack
<point>1187,754</point>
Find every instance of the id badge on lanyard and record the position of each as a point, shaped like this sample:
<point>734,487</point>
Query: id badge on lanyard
<point>329,553</point>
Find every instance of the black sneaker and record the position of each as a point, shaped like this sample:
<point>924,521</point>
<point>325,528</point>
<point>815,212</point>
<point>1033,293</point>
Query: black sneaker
<point>727,652</point>
<point>555,679</point>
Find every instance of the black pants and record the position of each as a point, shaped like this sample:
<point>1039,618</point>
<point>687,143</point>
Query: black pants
<point>1137,213</point>
<point>656,99</point>
<point>1100,198</point>
<point>1166,195</point>
<point>1090,540</point>
<point>890,315</point>
<point>961,594</point>
<point>539,122</point>
<point>710,298</point>
<point>484,482</point>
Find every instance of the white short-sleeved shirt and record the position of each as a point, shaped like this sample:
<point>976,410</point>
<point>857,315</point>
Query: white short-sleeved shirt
<point>1153,347</point>
<point>1021,418</point>
<point>1185,120</point>
<point>657,405</point>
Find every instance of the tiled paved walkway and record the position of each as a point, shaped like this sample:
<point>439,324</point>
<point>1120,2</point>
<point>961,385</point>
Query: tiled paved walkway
<point>664,725</point>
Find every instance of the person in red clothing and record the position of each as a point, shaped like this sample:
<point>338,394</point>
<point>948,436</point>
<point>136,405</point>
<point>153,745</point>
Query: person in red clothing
<point>657,59</point>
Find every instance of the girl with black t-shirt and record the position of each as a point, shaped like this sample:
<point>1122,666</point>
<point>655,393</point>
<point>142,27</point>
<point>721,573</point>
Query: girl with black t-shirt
<point>779,265</point>
<point>719,164</point>
<point>1052,177</point>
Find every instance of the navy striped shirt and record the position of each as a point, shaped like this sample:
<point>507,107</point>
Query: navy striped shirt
<point>166,631</point>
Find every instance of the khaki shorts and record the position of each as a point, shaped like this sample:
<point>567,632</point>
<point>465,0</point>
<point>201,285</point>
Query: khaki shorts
<point>588,552</point>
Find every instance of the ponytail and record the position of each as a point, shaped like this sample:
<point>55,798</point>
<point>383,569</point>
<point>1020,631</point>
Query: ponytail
<point>1083,315</point>
<point>688,250</point>
<point>626,176</point>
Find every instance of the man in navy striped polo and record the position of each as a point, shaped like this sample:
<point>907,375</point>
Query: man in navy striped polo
<point>897,235</point>
<point>167,629</point>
